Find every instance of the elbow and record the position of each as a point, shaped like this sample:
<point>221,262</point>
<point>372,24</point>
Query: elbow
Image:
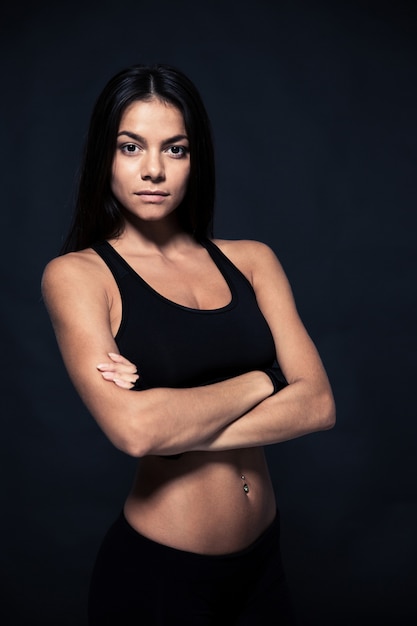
<point>325,411</point>
<point>132,440</point>
<point>129,426</point>
<point>135,444</point>
<point>126,444</point>
<point>131,447</point>
<point>140,433</point>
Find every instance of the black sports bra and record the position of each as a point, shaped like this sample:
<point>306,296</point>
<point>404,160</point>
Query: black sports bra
<point>177,346</point>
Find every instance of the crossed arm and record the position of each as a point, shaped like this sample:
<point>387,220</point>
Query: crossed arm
<point>239,412</point>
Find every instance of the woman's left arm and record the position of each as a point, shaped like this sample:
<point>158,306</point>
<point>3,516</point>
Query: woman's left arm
<point>306,405</point>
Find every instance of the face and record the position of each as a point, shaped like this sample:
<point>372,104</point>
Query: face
<point>151,165</point>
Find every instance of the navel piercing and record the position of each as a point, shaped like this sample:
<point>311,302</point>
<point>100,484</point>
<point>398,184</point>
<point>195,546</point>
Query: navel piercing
<point>245,486</point>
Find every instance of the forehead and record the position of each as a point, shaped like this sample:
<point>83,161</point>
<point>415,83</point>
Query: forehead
<point>157,116</point>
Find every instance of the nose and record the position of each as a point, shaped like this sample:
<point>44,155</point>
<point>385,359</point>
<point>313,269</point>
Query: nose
<point>152,166</point>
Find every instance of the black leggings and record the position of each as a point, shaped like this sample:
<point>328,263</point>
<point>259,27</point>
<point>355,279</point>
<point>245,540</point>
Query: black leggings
<point>137,581</point>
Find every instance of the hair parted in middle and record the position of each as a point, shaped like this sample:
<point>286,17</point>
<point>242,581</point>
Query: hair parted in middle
<point>98,214</point>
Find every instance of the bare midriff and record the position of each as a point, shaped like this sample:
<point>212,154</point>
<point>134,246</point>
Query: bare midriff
<point>203,502</point>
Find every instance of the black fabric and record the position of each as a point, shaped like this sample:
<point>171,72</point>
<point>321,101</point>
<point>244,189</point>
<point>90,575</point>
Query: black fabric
<point>138,581</point>
<point>177,346</point>
<point>277,377</point>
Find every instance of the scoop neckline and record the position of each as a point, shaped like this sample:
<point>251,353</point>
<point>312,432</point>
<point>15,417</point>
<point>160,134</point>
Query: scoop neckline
<point>233,295</point>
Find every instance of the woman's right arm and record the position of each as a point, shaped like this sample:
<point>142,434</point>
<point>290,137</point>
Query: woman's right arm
<point>156,421</point>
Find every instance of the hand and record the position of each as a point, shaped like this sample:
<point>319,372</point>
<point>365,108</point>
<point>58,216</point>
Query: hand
<point>120,371</point>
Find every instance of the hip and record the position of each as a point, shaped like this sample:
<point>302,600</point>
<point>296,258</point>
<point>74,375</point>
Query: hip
<point>136,580</point>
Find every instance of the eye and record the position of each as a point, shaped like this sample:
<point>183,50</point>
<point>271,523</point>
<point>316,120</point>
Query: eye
<point>178,152</point>
<point>129,148</point>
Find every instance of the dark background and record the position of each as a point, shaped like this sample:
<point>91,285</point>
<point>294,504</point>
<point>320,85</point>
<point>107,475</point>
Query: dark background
<point>314,110</point>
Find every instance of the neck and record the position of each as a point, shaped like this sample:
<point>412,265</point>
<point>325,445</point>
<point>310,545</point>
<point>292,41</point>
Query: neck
<point>160,235</point>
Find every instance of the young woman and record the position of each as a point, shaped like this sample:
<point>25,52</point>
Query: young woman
<point>190,354</point>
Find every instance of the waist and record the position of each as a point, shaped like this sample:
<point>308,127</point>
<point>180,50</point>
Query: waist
<point>209,503</point>
<point>265,541</point>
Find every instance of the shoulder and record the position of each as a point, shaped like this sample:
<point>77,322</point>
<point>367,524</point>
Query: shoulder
<point>73,273</point>
<point>241,245</point>
<point>85,263</point>
<point>252,257</point>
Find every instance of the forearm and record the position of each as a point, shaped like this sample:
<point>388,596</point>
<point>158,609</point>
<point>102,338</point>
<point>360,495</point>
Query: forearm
<point>297,410</point>
<point>169,421</point>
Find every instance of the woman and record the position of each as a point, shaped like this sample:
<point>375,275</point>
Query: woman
<point>205,322</point>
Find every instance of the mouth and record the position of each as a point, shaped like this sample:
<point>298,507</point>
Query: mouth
<point>152,196</point>
<point>149,192</point>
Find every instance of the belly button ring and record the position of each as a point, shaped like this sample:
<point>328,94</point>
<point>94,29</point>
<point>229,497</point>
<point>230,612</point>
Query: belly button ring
<point>245,486</point>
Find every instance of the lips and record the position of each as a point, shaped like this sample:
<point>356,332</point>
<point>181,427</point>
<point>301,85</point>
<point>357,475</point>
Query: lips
<point>152,196</point>
<point>150,192</point>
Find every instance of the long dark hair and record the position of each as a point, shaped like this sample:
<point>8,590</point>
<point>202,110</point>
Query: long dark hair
<point>97,214</point>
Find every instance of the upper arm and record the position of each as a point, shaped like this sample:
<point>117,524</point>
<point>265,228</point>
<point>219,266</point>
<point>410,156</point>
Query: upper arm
<point>296,352</point>
<point>73,289</point>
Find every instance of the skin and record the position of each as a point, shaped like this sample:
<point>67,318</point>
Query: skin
<point>196,503</point>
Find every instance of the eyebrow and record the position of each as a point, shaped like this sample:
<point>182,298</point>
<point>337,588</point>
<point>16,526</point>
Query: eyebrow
<point>141,139</point>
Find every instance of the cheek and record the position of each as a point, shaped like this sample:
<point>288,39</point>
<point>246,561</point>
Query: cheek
<point>180,176</point>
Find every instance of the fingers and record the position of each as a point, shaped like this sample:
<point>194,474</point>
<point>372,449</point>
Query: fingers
<point>122,383</point>
<point>119,371</point>
<point>119,364</point>
<point>126,381</point>
<point>118,358</point>
<point>109,372</point>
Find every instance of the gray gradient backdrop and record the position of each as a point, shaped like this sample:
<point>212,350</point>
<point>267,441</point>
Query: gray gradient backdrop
<point>314,109</point>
